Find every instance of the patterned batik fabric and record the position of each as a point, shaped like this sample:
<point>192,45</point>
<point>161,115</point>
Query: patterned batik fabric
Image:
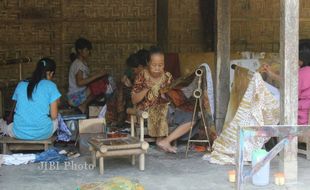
<point>153,96</point>
<point>157,120</point>
<point>257,107</point>
<point>189,84</point>
<point>153,102</point>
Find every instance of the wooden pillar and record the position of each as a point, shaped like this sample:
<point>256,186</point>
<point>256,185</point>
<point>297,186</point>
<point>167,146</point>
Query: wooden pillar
<point>222,61</point>
<point>289,35</point>
<point>162,24</point>
<point>1,104</point>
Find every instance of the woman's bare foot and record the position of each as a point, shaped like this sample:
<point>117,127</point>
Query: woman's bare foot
<point>163,144</point>
<point>160,145</point>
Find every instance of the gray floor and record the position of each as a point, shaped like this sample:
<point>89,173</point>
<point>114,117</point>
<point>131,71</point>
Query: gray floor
<point>163,172</point>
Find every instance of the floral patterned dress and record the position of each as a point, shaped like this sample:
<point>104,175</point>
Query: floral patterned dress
<point>153,102</point>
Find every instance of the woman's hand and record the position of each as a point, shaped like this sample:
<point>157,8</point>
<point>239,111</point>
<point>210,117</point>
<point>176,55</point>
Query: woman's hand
<point>138,97</point>
<point>149,84</point>
<point>81,81</point>
<point>265,68</point>
<point>125,80</point>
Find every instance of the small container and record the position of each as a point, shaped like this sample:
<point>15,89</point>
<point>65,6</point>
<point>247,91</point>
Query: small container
<point>232,176</point>
<point>279,178</point>
<point>261,177</point>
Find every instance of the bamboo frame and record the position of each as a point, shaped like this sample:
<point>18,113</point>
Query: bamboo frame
<point>130,145</point>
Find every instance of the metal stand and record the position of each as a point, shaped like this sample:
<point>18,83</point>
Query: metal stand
<point>197,94</point>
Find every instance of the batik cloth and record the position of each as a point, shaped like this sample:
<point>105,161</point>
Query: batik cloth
<point>250,104</point>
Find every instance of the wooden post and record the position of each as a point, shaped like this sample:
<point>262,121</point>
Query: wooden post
<point>141,161</point>
<point>1,103</point>
<point>93,156</point>
<point>132,132</point>
<point>289,35</point>
<point>222,61</point>
<point>141,129</point>
<point>45,146</point>
<point>239,160</point>
<point>5,148</point>
<point>101,165</point>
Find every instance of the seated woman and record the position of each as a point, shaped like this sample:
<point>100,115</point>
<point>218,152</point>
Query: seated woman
<point>135,63</point>
<point>36,109</point>
<point>303,84</point>
<point>146,94</point>
<point>79,95</point>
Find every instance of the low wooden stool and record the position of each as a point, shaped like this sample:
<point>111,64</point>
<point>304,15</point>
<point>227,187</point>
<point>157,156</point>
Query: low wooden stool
<point>10,143</point>
<point>127,146</point>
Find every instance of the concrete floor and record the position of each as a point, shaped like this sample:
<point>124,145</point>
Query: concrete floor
<point>163,172</point>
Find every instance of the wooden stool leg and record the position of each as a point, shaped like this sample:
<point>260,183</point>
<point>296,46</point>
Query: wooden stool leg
<point>101,165</point>
<point>93,156</point>
<point>141,162</point>
<point>133,160</point>
<point>45,146</point>
<point>5,148</point>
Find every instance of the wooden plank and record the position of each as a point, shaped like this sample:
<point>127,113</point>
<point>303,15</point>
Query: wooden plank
<point>10,140</point>
<point>277,131</point>
<point>223,57</point>
<point>289,35</point>
<point>26,147</point>
<point>136,151</point>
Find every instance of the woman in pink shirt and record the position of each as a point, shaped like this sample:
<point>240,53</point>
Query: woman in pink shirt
<point>303,85</point>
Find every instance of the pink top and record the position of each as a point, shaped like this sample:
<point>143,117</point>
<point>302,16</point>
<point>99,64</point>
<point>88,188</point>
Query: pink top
<point>303,95</point>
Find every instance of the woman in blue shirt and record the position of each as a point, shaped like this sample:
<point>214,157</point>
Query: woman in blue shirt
<point>36,109</point>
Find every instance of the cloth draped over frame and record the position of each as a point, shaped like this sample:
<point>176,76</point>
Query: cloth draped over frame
<point>186,85</point>
<point>250,104</point>
<point>179,93</point>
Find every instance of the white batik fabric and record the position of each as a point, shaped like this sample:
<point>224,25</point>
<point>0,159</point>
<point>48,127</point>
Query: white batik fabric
<point>258,107</point>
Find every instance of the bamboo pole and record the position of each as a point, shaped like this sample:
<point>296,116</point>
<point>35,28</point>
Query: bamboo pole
<point>120,153</point>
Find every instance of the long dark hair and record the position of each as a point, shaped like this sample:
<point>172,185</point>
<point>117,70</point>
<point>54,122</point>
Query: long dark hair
<point>44,65</point>
<point>304,56</point>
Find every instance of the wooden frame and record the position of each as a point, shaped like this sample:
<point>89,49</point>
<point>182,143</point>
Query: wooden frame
<point>128,146</point>
<point>305,140</point>
<point>10,143</point>
<point>288,135</point>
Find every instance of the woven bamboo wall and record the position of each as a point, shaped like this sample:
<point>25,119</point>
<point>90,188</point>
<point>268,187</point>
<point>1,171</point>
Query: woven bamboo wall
<point>185,27</point>
<point>256,24</point>
<point>49,28</point>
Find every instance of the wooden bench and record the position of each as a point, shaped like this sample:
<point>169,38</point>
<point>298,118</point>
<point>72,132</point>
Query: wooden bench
<point>10,143</point>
